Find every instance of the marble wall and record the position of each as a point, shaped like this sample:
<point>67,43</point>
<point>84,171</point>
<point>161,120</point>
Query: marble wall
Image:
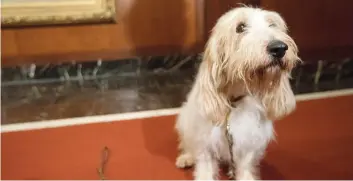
<point>32,93</point>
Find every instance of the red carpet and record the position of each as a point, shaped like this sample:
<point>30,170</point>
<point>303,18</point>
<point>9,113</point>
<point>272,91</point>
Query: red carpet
<point>316,142</point>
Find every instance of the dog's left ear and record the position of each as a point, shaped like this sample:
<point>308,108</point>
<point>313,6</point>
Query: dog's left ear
<point>213,98</point>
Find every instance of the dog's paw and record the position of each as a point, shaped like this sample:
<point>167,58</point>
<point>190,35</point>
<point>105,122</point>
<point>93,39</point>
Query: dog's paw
<point>204,176</point>
<point>231,174</point>
<point>247,176</point>
<point>184,161</point>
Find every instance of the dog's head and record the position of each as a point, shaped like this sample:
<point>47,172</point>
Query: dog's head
<point>250,46</point>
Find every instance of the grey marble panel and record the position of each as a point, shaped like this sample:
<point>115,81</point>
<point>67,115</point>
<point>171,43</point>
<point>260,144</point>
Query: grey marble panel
<point>33,93</point>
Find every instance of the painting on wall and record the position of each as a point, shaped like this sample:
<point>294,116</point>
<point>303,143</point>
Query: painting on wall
<point>16,13</point>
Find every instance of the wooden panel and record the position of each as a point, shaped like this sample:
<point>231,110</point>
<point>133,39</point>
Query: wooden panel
<point>339,22</point>
<point>144,27</point>
<point>321,29</point>
<point>8,42</point>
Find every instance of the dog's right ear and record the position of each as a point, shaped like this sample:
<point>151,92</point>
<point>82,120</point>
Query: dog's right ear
<point>281,101</point>
<point>212,82</point>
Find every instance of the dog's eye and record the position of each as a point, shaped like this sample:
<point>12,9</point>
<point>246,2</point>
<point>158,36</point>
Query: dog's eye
<point>272,25</point>
<point>241,27</point>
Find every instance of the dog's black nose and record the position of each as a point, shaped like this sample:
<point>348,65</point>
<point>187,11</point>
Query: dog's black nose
<point>277,49</point>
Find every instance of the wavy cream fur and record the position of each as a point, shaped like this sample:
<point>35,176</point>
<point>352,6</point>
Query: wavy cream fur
<point>236,64</point>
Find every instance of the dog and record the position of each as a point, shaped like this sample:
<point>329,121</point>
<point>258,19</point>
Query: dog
<point>241,87</point>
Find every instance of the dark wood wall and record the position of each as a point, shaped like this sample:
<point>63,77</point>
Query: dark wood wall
<point>143,27</point>
<point>321,28</point>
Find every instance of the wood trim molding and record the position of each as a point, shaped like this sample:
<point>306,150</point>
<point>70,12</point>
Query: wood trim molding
<point>25,13</point>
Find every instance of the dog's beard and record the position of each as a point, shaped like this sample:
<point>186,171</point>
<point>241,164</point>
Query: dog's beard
<point>272,68</point>
<point>266,77</point>
<point>276,64</point>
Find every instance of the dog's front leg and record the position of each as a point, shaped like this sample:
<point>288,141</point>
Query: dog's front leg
<point>246,165</point>
<point>206,167</point>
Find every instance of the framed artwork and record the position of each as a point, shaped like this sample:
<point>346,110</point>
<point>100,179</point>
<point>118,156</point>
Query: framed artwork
<point>16,13</point>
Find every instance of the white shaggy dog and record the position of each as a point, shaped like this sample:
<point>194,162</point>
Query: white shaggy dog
<point>248,57</point>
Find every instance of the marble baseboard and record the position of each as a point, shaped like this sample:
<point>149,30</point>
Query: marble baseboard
<point>33,93</point>
<point>78,71</point>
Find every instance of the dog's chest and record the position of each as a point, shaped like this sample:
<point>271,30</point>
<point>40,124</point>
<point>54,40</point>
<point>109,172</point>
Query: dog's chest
<point>219,144</point>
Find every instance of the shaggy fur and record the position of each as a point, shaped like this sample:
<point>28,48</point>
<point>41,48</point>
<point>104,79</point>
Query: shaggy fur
<point>236,63</point>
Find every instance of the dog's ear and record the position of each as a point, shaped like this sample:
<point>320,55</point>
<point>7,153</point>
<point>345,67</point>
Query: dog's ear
<point>281,101</point>
<point>212,84</point>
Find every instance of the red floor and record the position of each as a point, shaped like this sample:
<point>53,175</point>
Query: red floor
<point>316,142</point>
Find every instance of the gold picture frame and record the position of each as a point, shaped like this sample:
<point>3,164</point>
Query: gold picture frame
<point>16,13</point>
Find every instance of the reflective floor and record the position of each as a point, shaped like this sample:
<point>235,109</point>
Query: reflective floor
<point>315,142</point>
